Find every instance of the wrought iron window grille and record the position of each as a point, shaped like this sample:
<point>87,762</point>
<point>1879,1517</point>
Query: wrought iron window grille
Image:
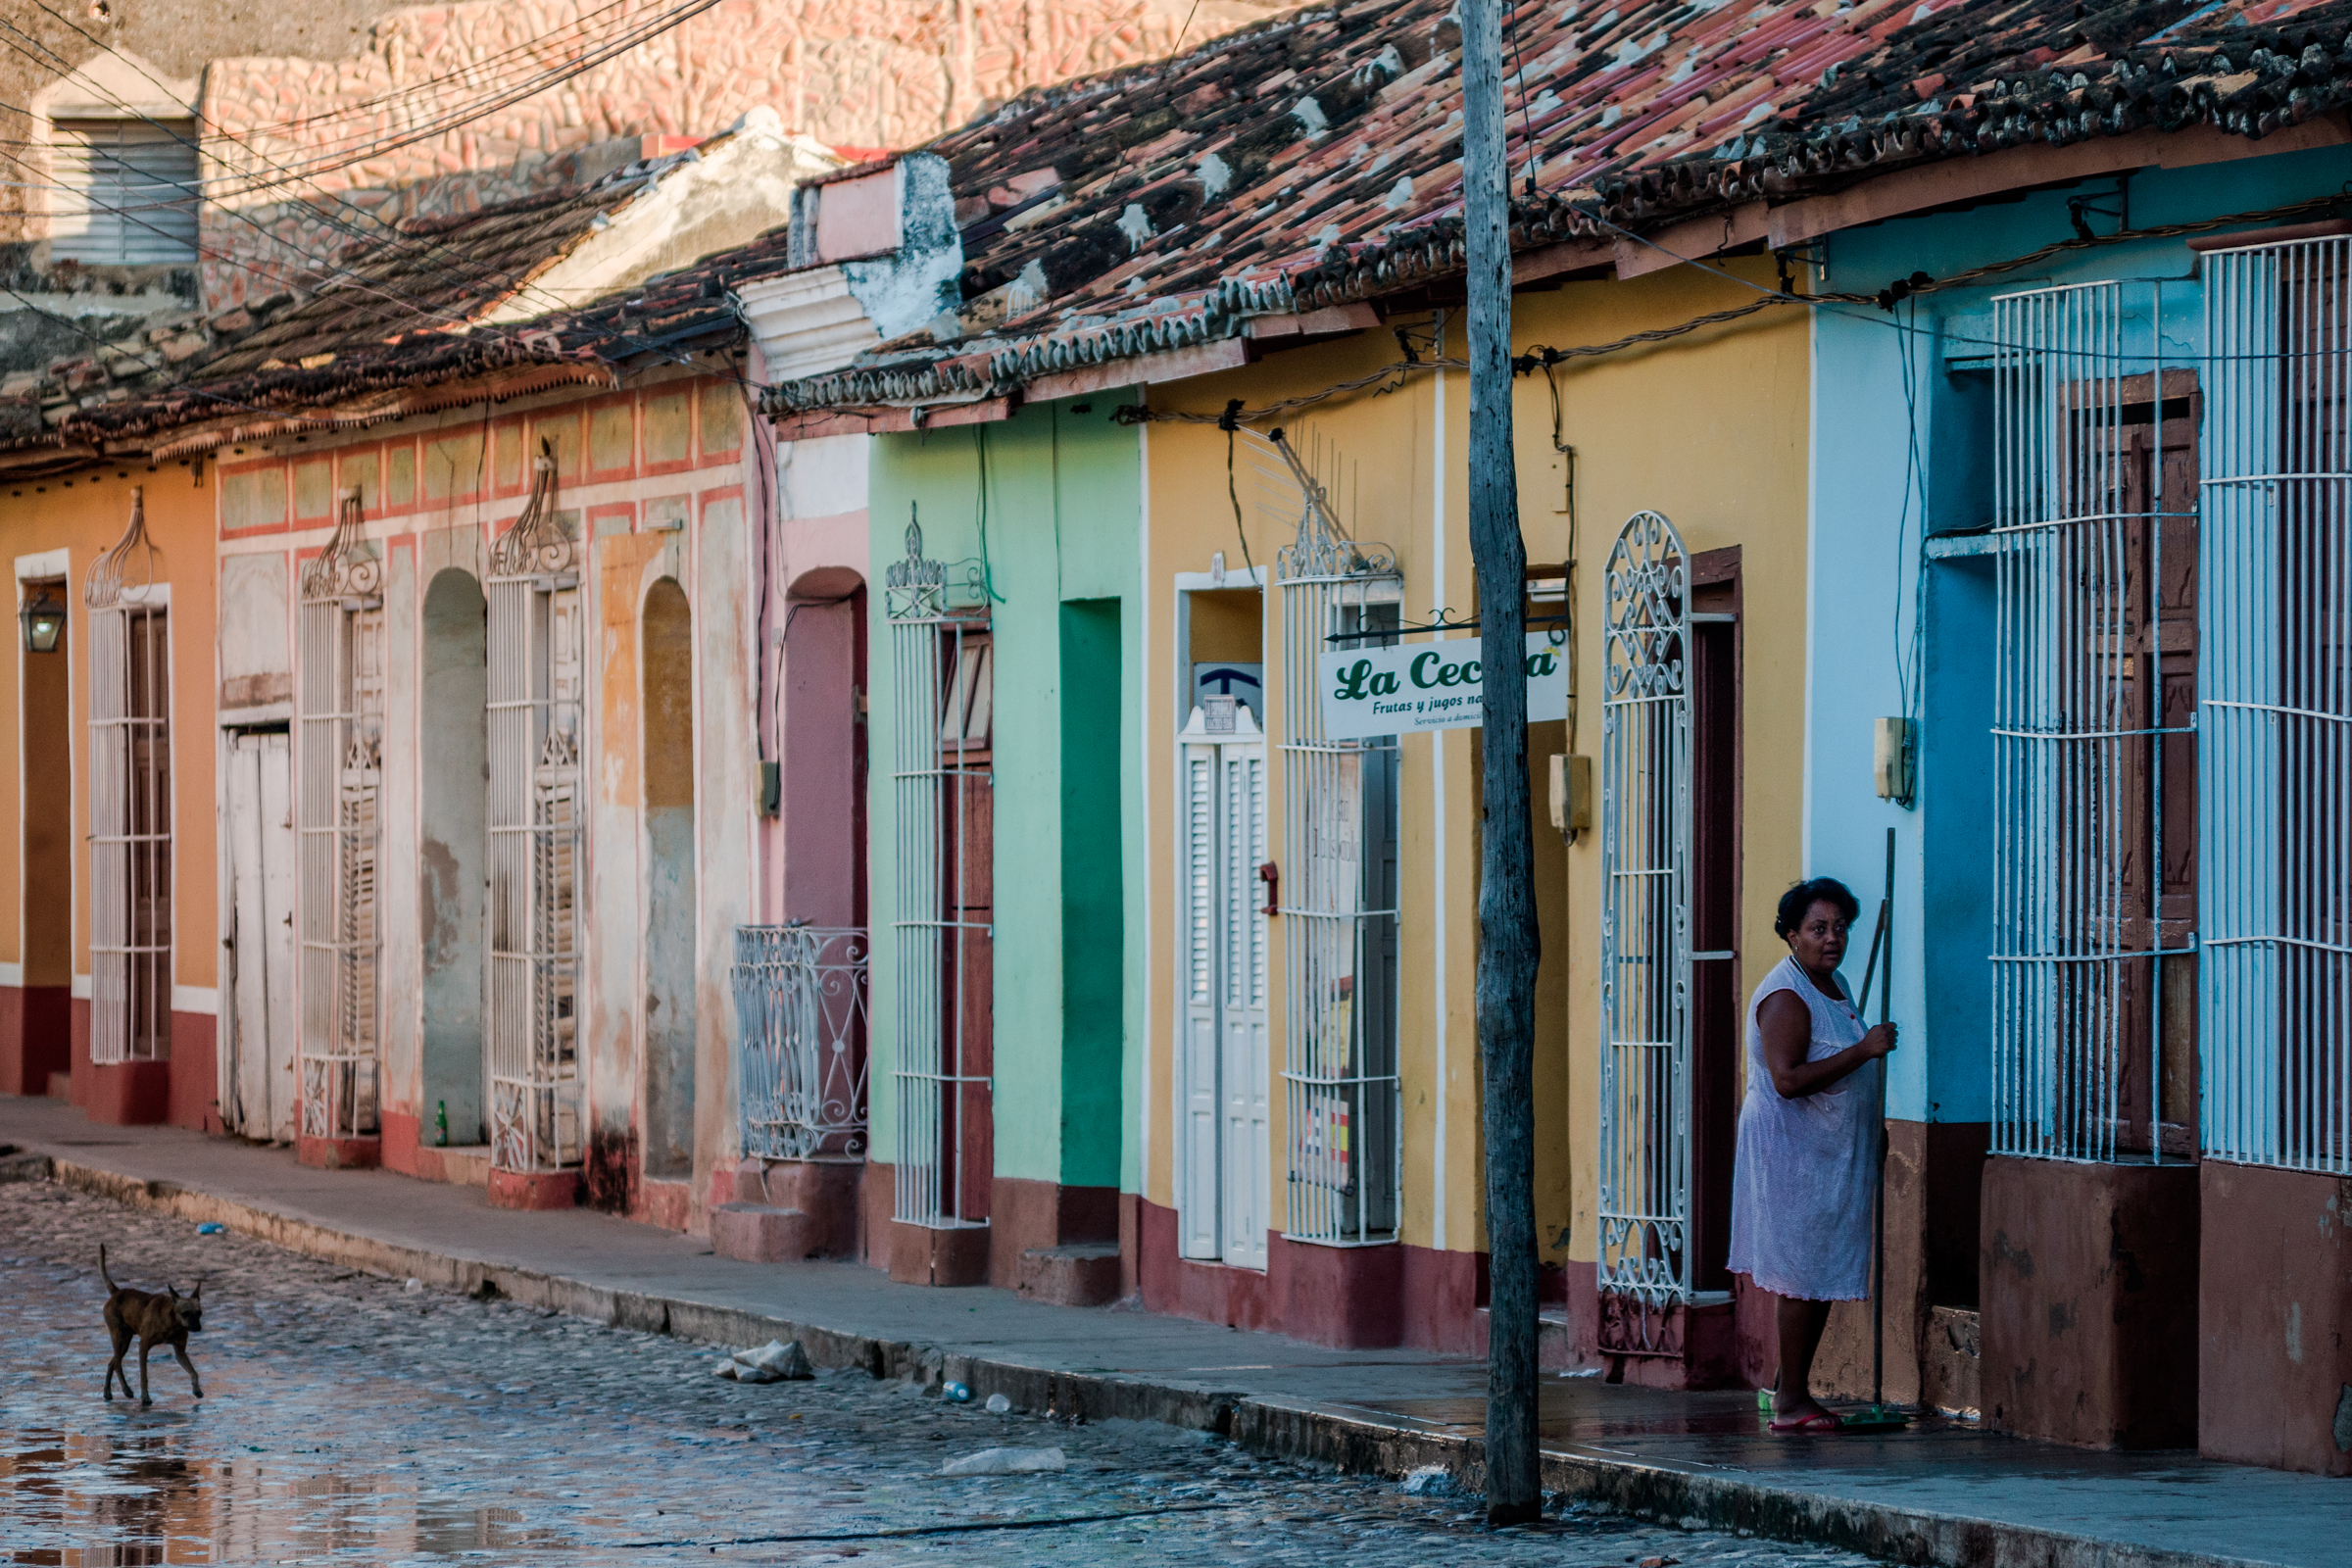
<point>800,1041</point>
<point>537,714</point>
<point>941,731</point>
<point>130,800</point>
<point>1339,898</point>
<point>1643,1208</point>
<point>338,794</point>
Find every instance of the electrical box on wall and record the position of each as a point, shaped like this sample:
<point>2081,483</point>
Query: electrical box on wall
<point>1893,742</point>
<point>1571,793</point>
<point>771,788</point>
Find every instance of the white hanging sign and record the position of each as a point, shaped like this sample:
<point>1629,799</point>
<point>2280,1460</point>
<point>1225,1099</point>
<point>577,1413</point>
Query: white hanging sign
<point>1371,692</point>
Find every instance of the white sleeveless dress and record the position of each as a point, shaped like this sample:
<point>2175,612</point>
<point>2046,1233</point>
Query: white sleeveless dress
<point>1806,1170</point>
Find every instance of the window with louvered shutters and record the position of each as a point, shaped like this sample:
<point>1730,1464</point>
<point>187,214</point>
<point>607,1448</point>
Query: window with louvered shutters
<point>125,192</point>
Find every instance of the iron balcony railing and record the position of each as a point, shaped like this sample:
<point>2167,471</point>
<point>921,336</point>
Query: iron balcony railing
<point>800,1041</point>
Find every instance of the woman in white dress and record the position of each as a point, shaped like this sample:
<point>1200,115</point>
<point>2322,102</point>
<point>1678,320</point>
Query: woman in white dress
<point>1805,1174</point>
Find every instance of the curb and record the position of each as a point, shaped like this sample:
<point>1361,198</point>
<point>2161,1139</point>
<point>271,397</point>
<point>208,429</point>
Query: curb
<point>1362,1444</point>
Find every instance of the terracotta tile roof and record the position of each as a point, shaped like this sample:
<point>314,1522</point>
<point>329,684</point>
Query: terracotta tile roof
<point>1316,158</point>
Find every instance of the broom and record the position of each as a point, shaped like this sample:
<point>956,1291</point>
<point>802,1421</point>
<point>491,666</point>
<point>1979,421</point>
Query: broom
<point>1879,1416</point>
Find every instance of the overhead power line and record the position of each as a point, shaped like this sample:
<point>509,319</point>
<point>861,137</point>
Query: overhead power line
<point>472,269</point>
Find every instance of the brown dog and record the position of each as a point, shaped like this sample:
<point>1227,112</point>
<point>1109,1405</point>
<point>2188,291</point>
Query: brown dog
<point>166,1319</point>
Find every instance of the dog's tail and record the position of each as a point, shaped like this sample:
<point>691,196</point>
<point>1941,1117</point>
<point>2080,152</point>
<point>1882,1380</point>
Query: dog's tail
<point>102,1273</point>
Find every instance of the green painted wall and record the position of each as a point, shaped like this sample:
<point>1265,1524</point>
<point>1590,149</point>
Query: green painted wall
<point>1044,510</point>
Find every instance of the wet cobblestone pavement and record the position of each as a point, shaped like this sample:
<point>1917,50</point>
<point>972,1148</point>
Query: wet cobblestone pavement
<point>351,1420</point>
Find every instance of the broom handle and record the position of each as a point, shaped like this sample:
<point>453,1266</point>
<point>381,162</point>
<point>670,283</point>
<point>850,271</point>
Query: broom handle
<point>1878,1289</point>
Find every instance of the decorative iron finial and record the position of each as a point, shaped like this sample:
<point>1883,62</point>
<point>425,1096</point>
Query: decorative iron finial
<point>343,570</point>
<point>537,542</point>
<point>1323,548</point>
<point>103,588</point>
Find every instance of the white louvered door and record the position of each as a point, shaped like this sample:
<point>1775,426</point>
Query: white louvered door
<point>1197,1051</point>
<point>1224,1072</point>
<point>1242,982</point>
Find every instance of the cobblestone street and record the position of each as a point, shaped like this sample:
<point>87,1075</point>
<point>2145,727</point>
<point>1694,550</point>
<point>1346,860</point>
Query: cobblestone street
<point>349,1419</point>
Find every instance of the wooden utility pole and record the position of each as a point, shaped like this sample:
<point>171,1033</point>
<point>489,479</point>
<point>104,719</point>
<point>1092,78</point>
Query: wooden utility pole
<point>1507,903</point>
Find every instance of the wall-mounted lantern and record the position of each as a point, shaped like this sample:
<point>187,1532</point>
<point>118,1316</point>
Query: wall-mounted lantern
<point>43,618</point>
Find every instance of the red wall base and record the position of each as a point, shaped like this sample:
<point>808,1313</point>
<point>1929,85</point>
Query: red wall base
<point>2089,1326</point>
<point>1351,1297</point>
<point>339,1154</point>
<point>180,1092</point>
<point>195,1085</point>
<point>35,1037</point>
<point>398,1142</point>
<point>2274,1319</point>
<point>536,1189</point>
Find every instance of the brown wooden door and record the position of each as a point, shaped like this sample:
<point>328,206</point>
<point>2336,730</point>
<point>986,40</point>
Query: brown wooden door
<point>967,957</point>
<point>1714,1000</point>
<point>2156,816</point>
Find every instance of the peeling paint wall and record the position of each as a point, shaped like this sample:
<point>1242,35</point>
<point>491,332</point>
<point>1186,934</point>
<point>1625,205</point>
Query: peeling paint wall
<point>652,482</point>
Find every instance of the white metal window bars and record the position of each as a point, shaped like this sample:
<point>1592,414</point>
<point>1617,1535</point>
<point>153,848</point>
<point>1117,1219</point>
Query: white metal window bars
<point>130,803</point>
<point>2081,918</point>
<point>535,715</point>
<point>1223,1151</point>
<point>1342,1102</point>
<point>340,777</point>
<point>800,1041</point>
<point>1644,1212</point>
<point>2276,786</point>
<point>942,694</point>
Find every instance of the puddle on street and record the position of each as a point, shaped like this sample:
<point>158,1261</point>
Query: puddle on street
<point>348,1420</point>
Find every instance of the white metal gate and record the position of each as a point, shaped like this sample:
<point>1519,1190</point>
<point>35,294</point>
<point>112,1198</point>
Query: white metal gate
<point>341,731</point>
<point>1339,830</point>
<point>2276,781</point>
<point>2090,556</point>
<point>799,1049</point>
<point>1644,1210</point>
<point>258,1080</point>
<point>130,803</point>
<point>1226,1188</point>
<point>537,646</point>
<point>942,697</point>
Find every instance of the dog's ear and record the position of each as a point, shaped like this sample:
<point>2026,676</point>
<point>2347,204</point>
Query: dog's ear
<point>175,1295</point>
<point>198,1293</point>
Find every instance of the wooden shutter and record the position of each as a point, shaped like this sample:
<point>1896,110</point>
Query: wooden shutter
<point>1242,983</point>
<point>1197,1049</point>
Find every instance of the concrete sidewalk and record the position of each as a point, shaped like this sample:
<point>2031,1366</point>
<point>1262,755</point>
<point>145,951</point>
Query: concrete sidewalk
<point>1941,1492</point>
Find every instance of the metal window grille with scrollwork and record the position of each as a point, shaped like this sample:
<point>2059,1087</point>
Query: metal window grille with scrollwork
<point>536,717</point>
<point>130,800</point>
<point>339,784</point>
<point>800,1041</point>
<point>1644,1210</point>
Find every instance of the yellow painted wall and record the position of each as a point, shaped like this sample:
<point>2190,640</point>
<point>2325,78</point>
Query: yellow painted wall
<point>86,512</point>
<point>1708,428</point>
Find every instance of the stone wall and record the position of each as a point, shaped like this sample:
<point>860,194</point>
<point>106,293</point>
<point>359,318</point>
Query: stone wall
<point>857,75</point>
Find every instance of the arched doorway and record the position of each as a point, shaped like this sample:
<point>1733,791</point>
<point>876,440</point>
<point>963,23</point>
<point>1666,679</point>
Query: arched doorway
<point>669,902</point>
<point>452,863</point>
<point>824,749</point>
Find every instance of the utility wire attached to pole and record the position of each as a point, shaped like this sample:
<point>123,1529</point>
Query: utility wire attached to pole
<point>1507,950</point>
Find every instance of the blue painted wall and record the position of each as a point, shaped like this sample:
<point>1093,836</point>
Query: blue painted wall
<point>1902,447</point>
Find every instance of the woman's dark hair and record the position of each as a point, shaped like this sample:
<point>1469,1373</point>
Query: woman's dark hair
<point>1807,894</point>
